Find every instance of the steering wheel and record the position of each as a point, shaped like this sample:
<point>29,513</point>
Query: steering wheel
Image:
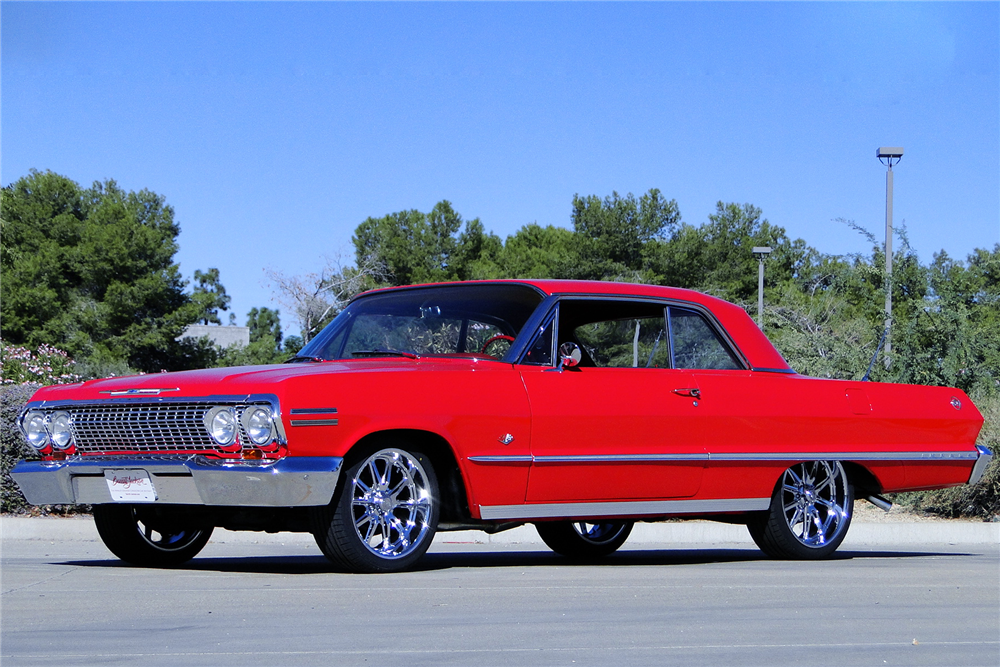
<point>509,339</point>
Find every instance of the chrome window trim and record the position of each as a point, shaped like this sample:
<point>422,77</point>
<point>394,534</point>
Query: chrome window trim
<point>625,509</point>
<point>533,328</point>
<point>552,302</point>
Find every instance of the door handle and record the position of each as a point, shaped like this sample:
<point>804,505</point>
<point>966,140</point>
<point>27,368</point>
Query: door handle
<point>692,392</point>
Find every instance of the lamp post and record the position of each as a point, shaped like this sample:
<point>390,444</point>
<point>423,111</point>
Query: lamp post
<point>888,153</point>
<point>761,253</point>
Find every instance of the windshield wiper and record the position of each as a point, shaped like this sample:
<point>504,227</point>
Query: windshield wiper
<point>299,358</point>
<point>383,353</point>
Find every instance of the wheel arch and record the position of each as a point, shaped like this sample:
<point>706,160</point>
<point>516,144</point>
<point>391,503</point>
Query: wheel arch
<point>862,479</point>
<point>451,483</point>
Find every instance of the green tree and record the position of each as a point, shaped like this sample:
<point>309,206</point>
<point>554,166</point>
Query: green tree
<point>611,234</point>
<point>209,295</point>
<point>537,252</point>
<point>91,271</point>
<point>420,247</point>
<point>716,257</point>
<point>264,322</point>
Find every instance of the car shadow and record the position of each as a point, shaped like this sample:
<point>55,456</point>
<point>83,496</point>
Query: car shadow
<point>500,559</point>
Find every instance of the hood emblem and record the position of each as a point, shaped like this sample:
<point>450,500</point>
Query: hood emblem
<point>506,439</point>
<point>138,392</point>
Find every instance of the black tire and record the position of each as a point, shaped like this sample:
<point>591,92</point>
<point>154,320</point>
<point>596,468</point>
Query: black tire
<point>142,536</point>
<point>384,514</point>
<point>583,541</point>
<point>810,513</point>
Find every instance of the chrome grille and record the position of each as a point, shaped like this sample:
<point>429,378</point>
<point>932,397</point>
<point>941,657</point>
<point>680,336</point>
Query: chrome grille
<point>144,427</point>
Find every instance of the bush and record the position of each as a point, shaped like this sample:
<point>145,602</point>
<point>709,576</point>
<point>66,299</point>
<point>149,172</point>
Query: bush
<point>23,372</point>
<point>13,448</point>
<point>48,365</point>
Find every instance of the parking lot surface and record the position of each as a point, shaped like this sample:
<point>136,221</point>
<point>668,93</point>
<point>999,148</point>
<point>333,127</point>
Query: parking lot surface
<point>276,602</point>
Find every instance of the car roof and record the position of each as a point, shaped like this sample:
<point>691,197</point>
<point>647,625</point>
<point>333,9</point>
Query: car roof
<point>755,346</point>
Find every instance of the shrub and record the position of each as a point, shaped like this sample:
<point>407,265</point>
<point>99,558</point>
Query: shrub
<point>23,372</point>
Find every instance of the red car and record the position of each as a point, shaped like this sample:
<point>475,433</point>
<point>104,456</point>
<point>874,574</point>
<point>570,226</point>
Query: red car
<point>580,407</point>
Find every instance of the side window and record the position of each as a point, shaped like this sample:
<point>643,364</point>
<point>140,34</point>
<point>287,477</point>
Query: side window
<point>626,343</point>
<point>695,343</point>
<point>540,352</point>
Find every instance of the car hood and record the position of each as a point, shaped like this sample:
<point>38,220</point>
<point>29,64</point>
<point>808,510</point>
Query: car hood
<point>244,379</point>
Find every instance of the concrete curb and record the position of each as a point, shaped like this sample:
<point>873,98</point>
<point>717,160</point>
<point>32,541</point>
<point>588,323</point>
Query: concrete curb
<point>684,532</point>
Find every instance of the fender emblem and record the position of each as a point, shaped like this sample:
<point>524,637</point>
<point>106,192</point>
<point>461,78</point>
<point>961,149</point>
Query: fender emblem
<point>506,439</point>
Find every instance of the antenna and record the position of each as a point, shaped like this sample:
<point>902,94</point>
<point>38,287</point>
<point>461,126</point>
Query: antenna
<point>875,356</point>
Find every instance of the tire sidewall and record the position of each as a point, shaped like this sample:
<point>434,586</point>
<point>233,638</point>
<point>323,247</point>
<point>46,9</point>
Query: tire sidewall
<point>783,541</point>
<point>344,545</point>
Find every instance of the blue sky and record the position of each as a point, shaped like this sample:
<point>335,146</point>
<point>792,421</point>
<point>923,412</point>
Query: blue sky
<point>274,129</point>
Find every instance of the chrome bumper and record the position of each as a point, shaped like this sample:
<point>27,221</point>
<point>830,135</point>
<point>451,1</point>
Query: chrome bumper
<point>187,480</point>
<point>985,456</point>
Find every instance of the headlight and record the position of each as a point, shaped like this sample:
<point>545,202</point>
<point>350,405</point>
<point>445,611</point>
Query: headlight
<point>59,430</point>
<point>221,425</point>
<point>258,424</point>
<point>34,430</point>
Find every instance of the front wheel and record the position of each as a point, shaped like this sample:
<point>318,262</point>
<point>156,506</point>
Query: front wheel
<point>578,539</point>
<point>384,514</point>
<point>143,536</point>
<point>810,512</point>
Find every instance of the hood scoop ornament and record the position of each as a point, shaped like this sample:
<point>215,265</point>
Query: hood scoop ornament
<point>139,392</point>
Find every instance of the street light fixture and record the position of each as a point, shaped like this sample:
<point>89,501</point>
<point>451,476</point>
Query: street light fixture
<point>761,253</point>
<point>888,153</point>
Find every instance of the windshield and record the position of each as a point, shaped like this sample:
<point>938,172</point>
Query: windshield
<point>481,319</point>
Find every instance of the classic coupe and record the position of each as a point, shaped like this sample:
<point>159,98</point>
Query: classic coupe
<point>580,407</point>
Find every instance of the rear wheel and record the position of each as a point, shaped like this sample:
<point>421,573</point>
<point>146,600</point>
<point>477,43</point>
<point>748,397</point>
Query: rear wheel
<point>144,536</point>
<point>579,539</point>
<point>384,514</point>
<point>810,512</point>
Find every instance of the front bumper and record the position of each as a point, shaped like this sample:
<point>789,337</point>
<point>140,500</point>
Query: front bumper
<point>293,481</point>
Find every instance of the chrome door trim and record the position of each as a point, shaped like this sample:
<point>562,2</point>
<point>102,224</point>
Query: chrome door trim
<point>624,509</point>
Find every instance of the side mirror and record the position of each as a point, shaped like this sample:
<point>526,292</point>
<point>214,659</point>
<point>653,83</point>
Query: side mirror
<point>569,355</point>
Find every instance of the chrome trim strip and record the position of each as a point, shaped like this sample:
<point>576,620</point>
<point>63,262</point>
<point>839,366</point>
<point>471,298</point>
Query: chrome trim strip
<point>138,392</point>
<point>313,411</point>
<point>314,422</point>
<point>621,458</point>
<point>632,508</point>
<point>294,481</point>
<point>501,459</point>
<point>741,456</point>
<point>844,456</point>
<point>985,456</point>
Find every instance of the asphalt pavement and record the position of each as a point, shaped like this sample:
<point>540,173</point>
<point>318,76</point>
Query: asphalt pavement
<point>254,599</point>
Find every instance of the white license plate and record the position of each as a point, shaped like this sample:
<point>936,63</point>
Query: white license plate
<point>130,486</point>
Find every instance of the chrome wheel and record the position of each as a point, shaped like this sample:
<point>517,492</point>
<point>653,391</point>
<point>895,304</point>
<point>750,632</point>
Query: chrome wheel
<point>814,499</point>
<point>148,537</point>
<point>384,514</point>
<point>580,539</point>
<point>599,533</point>
<point>391,503</point>
<point>810,512</point>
